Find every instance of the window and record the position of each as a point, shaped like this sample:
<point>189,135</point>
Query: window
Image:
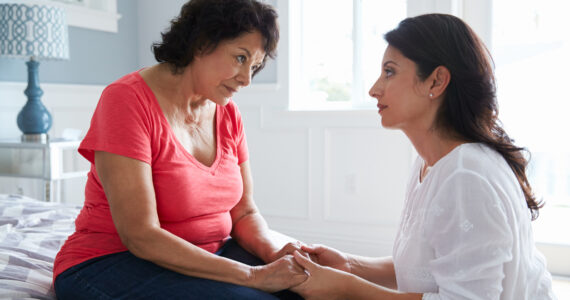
<point>337,47</point>
<point>531,47</point>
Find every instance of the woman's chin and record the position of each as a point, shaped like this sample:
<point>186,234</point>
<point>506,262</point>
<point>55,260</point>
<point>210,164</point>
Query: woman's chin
<point>387,124</point>
<point>222,101</point>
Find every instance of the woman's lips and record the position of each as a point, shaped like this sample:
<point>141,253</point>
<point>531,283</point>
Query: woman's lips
<point>231,90</point>
<point>381,107</point>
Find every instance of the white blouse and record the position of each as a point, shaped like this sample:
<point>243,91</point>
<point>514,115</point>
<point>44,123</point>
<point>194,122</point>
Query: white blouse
<point>465,232</point>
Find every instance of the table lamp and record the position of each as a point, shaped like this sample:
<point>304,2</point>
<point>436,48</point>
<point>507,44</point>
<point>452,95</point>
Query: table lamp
<point>38,31</point>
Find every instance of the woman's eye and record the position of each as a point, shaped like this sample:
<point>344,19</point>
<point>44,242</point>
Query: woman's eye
<point>388,72</point>
<point>241,59</point>
<point>254,68</point>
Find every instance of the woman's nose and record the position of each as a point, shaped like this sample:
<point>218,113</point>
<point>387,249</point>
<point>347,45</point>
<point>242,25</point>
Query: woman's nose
<point>244,76</point>
<point>375,90</point>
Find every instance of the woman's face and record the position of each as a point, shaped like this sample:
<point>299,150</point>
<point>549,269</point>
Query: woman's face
<point>403,99</point>
<point>221,73</point>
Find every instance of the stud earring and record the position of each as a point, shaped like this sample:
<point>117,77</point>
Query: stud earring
<point>430,95</point>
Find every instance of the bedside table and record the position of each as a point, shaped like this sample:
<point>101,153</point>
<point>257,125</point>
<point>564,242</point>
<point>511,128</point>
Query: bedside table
<point>51,162</point>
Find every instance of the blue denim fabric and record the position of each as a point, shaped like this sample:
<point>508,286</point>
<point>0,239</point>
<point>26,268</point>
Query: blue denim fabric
<point>124,276</point>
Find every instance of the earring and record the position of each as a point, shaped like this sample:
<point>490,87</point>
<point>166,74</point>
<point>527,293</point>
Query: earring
<point>430,95</point>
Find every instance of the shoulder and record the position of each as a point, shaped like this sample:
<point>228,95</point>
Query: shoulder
<point>477,157</point>
<point>126,102</point>
<point>130,84</point>
<point>128,91</point>
<point>477,160</point>
<point>475,174</point>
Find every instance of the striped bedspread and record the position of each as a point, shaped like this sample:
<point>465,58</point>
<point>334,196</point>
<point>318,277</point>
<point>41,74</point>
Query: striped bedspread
<point>31,233</point>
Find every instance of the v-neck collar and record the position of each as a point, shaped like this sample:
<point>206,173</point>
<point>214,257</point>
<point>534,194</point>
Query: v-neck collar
<point>436,165</point>
<point>163,119</point>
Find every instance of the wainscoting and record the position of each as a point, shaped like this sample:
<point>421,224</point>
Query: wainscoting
<point>330,177</point>
<point>335,178</point>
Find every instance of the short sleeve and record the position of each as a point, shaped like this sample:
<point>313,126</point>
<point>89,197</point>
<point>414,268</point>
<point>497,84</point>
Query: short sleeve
<point>121,124</point>
<point>239,136</point>
<point>467,228</point>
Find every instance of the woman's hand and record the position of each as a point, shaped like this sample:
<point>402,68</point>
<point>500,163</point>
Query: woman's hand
<point>328,257</point>
<point>278,275</point>
<point>289,249</point>
<point>323,282</point>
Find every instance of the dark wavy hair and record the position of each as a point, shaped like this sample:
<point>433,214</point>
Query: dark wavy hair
<point>203,24</point>
<point>469,110</point>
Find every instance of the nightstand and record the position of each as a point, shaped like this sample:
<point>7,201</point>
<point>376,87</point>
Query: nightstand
<point>51,162</point>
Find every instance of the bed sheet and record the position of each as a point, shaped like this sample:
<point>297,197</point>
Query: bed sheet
<point>31,234</point>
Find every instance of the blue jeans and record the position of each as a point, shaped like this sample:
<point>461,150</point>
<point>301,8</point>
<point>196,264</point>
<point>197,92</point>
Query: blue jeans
<point>124,276</point>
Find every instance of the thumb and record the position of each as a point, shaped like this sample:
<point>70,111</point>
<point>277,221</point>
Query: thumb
<point>306,263</point>
<point>310,249</point>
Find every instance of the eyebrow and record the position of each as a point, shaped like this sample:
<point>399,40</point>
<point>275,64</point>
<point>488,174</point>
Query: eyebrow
<point>247,51</point>
<point>249,54</point>
<point>390,61</point>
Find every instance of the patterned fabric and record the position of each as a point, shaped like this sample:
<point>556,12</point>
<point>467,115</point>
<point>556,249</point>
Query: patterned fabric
<point>33,31</point>
<point>465,232</point>
<point>31,233</point>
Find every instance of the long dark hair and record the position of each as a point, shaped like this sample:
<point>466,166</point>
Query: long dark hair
<point>469,110</point>
<point>203,24</point>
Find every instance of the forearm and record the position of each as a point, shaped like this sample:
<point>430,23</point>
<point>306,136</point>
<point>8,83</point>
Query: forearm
<point>169,251</point>
<point>358,288</point>
<point>253,234</point>
<point>379,270</point>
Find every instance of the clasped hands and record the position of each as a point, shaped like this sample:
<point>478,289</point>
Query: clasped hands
<point>314,272</point>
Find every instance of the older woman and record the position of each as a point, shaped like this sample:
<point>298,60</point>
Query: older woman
<point>170,179</point>
<point>465,230</point>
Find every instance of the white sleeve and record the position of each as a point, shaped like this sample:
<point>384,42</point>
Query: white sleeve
<point>468,230</point>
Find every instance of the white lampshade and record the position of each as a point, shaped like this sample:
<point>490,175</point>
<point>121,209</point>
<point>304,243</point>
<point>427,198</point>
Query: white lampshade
<point>33,29</point>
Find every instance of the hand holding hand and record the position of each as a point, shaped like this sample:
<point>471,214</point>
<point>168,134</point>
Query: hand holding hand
<point>329,257</point>
<point>289,249</point>
<point>278,275</point>
<point>323,282</point>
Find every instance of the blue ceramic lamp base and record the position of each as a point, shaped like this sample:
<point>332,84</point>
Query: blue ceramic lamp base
<point>34,120</point>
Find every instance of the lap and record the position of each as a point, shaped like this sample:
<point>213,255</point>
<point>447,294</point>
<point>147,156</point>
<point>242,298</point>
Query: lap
<point>124,276</point>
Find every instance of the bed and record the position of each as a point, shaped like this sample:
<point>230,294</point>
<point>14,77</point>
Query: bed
<point>31,234</point>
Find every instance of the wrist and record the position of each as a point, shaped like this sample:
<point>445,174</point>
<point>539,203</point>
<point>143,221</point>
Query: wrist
<point>349,284</point>
<point>246,276</point>
<point>271,252</point>
<point>351,262</point>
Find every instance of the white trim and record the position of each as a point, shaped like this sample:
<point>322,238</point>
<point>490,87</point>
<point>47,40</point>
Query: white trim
<point>357,92</point>
<point>92,19</point>
<point>55,95</point>
<point>95,14</point>
<point>61,100</point>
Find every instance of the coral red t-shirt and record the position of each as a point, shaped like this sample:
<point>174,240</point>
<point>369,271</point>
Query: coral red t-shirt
<point>193,200</point>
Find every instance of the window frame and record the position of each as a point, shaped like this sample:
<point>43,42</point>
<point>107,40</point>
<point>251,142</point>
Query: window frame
<point>556,251</point>
<point>475,13</point>
<point>295,67</point>
<point>95,14</point>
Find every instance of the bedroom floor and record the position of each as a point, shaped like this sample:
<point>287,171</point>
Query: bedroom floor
<point>561,288</point>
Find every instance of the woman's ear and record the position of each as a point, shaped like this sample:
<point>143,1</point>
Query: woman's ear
<point>439,80</point>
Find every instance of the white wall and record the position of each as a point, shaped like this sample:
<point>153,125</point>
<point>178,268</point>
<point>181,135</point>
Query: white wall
<point>329,177</point>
